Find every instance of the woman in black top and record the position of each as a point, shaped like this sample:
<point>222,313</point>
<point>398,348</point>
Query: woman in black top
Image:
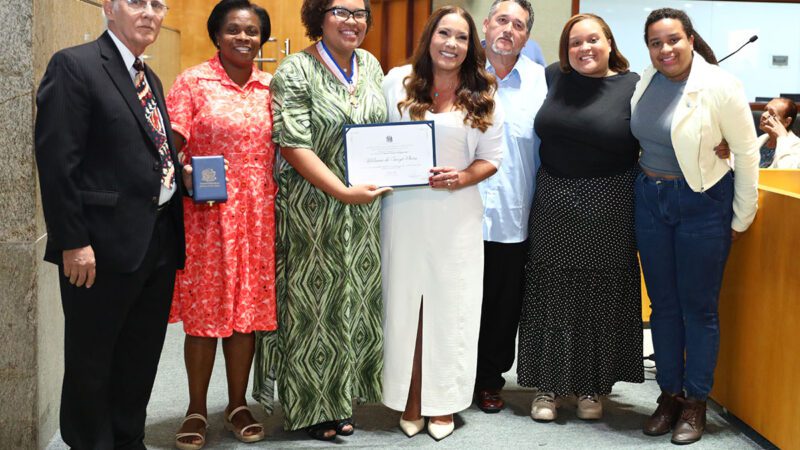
<point>581,327</point>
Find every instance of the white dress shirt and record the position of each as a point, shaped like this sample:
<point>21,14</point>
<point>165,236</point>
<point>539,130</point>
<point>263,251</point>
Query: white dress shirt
<point>129,58</point>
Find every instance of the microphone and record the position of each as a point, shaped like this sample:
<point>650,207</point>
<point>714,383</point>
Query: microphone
<point>753,38</point>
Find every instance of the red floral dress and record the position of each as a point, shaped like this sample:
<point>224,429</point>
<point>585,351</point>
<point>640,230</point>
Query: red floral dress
<point>228,283</point>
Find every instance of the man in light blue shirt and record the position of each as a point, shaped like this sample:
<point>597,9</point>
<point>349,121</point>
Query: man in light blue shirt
<point>507,196</point>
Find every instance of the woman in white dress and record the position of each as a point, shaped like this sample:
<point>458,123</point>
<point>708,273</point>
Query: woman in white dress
<point>431,238</point>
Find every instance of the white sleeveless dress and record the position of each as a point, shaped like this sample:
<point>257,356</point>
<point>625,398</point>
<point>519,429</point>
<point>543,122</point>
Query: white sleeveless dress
<point>432,258</point>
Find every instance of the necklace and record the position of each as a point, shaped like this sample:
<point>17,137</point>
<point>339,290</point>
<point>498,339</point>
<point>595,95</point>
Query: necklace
<point>447,89</point>
<point>445,95</point>
<point>341,74</point>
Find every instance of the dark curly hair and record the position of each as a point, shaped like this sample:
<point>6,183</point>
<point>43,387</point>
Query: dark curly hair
<point>312,14</point>
<point>220,12</point>
<point>700,45</point>
<point>475,93</point>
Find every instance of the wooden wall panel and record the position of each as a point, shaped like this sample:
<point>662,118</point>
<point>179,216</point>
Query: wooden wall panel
<point>174,14</point>
<point>286,24</point>
<point>165,56</point>
<point>184,42</point>
<point>374,41</point>
<point>422,10</point>
<point>396,34</point>
<point>397,26</point>
<point>395,31</point>
<point>195,44</point>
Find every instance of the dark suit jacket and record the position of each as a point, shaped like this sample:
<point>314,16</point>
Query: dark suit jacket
<point>98,168</point>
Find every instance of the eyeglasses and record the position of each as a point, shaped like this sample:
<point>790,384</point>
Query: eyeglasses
<point>140,5</point>
<point>343,14</point>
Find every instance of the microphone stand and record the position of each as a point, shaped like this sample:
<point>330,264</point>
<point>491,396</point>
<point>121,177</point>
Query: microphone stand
<point>753,38</point>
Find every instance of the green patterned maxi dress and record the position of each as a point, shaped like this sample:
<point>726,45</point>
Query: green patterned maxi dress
<point>328,346</point>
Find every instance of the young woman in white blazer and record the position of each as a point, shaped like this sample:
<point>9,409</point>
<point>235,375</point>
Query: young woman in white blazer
<point>689,207</point>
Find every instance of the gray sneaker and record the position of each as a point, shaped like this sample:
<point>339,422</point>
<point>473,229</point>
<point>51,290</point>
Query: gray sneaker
<point>590,407</point>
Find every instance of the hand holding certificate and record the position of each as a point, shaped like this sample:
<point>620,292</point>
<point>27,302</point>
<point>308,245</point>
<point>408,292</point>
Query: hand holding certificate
<point>390,154</point>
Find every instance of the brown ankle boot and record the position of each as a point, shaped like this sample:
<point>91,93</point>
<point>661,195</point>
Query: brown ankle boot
<point>665,416</point>
<point>692,423</point>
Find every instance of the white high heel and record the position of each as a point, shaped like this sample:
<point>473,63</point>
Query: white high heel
<point>412,427</point>
<point>440,431</point>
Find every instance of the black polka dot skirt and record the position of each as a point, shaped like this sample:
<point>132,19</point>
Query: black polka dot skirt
<point>581,325</point>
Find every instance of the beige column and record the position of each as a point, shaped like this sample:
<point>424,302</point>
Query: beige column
<point>31,324</point>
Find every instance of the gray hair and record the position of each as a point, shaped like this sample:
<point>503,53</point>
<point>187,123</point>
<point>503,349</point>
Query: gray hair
<point>524,4</point>
<point>103,12</point>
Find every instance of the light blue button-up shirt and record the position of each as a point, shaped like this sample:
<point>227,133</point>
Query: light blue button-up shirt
<point>508,194</point>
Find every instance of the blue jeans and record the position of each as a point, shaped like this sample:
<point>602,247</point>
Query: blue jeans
<point>684,238</point>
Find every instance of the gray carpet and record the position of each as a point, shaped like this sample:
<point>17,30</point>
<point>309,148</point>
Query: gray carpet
<point>625,410</point>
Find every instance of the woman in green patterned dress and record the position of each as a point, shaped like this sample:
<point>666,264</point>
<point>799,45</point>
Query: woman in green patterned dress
<point>328,347</point>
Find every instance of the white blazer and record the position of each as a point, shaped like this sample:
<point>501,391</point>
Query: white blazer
<point>713,107</point>
<point>787,151</point>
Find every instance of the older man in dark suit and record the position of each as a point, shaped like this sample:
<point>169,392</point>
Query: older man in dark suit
<point>112,204</point>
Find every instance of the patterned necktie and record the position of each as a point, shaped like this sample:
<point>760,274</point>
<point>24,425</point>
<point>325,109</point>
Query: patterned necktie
<point>155,127</point>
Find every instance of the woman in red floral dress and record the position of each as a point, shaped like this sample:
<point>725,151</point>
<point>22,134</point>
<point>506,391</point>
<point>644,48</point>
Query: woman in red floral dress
<point>227,290</point>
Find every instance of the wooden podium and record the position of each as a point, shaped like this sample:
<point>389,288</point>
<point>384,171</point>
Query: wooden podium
<point>758,373</point>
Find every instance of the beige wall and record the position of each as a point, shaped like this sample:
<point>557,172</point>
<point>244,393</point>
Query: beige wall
<point>550,17</point>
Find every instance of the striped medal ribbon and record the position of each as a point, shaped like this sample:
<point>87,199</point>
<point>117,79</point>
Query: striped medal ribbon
<point>348,81</point>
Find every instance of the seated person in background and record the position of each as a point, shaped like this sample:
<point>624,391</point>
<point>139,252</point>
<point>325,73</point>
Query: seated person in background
<point>780,148</point>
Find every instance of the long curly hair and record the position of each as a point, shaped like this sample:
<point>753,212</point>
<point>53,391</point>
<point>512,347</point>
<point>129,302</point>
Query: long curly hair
<point>475,92</point>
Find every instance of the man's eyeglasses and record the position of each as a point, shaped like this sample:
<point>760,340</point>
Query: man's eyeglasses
<point>140,5</point>
<point>360,15</point>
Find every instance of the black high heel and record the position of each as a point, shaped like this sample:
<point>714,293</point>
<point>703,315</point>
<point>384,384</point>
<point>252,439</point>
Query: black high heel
<point>318,431</point>
<point>340,424</point>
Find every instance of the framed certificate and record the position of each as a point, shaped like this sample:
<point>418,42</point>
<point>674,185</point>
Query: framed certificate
<point>389,154</point>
